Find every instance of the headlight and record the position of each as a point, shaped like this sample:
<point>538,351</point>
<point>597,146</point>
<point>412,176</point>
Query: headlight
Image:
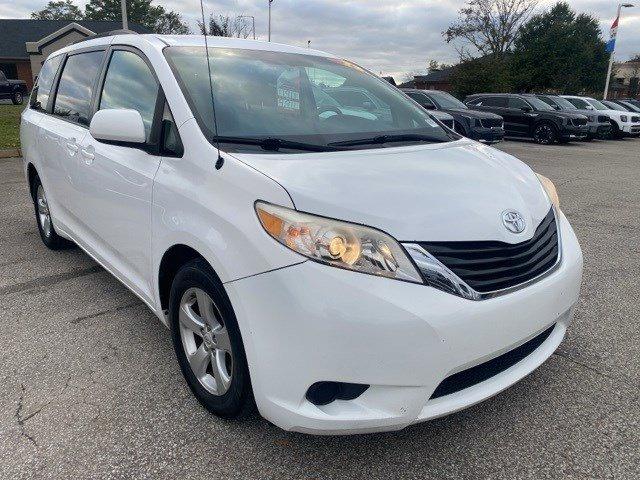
<point>338,244</point>
<point>624,118</point>
<point>550,188</point>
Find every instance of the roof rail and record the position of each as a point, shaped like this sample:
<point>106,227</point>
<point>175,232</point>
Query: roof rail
<point>110,33</point>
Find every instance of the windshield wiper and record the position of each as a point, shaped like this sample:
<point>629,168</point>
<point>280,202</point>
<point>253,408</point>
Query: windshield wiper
<point>408,137</point>
<point>274,144</point>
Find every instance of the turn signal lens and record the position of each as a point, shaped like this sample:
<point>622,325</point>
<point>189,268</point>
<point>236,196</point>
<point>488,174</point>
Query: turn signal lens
<point>336,243</point>
<point>550,188</point>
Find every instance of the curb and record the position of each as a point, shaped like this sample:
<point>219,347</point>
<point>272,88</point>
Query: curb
<point>10,153</point>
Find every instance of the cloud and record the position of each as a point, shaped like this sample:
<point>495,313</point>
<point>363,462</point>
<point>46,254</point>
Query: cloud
<point>388,36</point>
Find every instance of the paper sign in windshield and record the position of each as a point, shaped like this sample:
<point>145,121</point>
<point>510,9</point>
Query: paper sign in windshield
<point>288,91</point>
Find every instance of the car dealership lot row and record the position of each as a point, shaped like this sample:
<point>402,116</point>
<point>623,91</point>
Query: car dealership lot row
<point>91,386</point>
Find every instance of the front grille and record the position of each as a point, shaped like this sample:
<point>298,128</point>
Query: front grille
<point>491,122</point>
<point>579,122</point>
<point>474,375</point>
<point>487,266</point>
<point>603,119</point>
<point>635,119</point>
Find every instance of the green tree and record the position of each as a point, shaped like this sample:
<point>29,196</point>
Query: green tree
<point>155,18</point>
<point>490,73</point>
<point>62,10</point>
<point>560,50</point>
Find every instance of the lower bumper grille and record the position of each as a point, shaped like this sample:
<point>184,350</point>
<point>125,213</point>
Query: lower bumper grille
<point>491,122</point>
<point>579,122</point>
<point>603,119</point>
<point>474,375</point>
<point>489,266</point>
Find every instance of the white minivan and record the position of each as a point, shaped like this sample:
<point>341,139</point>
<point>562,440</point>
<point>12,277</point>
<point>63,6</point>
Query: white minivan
<point>350,272</point>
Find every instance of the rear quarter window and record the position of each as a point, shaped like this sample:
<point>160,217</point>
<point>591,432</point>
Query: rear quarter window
<point>42,90</point>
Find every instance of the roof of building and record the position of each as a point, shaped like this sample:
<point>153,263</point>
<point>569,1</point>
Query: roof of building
<point>15,33</point>
<point>437,76</point>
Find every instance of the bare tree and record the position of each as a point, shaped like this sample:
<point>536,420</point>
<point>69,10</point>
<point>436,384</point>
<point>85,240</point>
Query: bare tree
<point>489,26</point>
<point>226,26</point>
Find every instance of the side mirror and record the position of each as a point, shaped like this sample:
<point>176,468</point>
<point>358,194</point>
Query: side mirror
<point>590,107</point>
<point>526,109</point>
<point>429,106</point>
<point>556,107</point>
<point>118,125</point>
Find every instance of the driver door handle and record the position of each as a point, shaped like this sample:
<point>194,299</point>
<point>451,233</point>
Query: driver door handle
<point>88,155</point>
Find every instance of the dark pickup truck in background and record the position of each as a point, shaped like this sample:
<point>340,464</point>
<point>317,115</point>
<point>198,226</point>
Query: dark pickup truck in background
<point>14,90</point>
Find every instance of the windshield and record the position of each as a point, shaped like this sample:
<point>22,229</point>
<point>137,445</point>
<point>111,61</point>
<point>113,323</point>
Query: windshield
<point>563,103</point>
<point>615,106</point>
<point>294,98</point>
<point>598,105</point>
<point>448,101</point>
<point>538,104</point>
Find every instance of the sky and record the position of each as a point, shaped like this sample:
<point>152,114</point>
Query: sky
<point>392,37</point>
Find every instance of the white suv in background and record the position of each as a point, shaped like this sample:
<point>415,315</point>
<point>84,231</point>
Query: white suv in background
<point>351,273</point>
<point>623,124</point>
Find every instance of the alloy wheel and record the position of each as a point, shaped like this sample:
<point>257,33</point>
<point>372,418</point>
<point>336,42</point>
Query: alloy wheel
<point>544,135</point>
<point>44,217</point>
<point>18,98</point>
<point>205,340</point>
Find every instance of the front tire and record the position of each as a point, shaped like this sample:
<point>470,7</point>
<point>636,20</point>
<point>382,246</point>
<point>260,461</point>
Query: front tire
<point>17,98</point>
<point>48,233</point>
<point>545,134</point>
<point>207,341</point>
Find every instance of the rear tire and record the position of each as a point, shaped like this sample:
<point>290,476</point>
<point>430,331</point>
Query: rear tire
<point>48,233</point>
<point>17,98</point>
<point>545,134</point>
<point>207,341</point>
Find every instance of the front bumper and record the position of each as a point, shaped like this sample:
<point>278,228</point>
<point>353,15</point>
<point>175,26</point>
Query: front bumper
<point>309,323</point>
<point>631,129</point>
<point>487,135</point>
<point>599,130</point>
<point>571,132</point>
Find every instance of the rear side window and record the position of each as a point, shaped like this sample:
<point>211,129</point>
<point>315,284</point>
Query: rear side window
<point>493,102</point>
<point>73,99</point>
<point>129,83</point>
<point>518,103</point>
<point>42,91</point>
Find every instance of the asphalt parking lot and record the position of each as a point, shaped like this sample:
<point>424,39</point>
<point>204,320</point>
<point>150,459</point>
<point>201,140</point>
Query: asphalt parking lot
<point>91,388</point>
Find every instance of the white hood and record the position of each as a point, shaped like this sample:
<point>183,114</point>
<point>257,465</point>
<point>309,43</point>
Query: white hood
<point>436,192</point>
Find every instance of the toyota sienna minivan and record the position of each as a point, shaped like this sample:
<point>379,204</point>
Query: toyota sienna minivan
<point>350,273</point>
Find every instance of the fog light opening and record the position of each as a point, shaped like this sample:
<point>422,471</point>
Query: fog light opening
<point>323,393</point>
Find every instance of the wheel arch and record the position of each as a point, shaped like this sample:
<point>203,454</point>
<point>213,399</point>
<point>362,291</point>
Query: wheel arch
<point>32,173</point>
<point>173,258</point>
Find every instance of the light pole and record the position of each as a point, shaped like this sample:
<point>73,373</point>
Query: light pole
<point>253,23</point>
<point>125,22</point>
<point>269,36</point>
<point>611,45</point>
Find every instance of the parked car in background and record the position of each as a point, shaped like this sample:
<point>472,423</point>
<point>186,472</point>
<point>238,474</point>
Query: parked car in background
<point>485,127</point>
<point>350,274</point>
<point>599,125</point>
<point>14,90</point>
<point>445,118</point>
<point>526,116</point>
<point>622,123</point>
<point>628,106</point>
<point>632,101</point>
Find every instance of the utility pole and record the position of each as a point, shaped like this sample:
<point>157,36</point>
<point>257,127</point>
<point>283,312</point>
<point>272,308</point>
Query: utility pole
<point>270,2</point>
<point>253,23</point>
<point>125,22</point>
<point>611,46</point>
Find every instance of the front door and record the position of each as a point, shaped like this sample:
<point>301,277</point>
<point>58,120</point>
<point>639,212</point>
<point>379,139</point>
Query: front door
<point>521,116</point>
<point>118,179</point>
